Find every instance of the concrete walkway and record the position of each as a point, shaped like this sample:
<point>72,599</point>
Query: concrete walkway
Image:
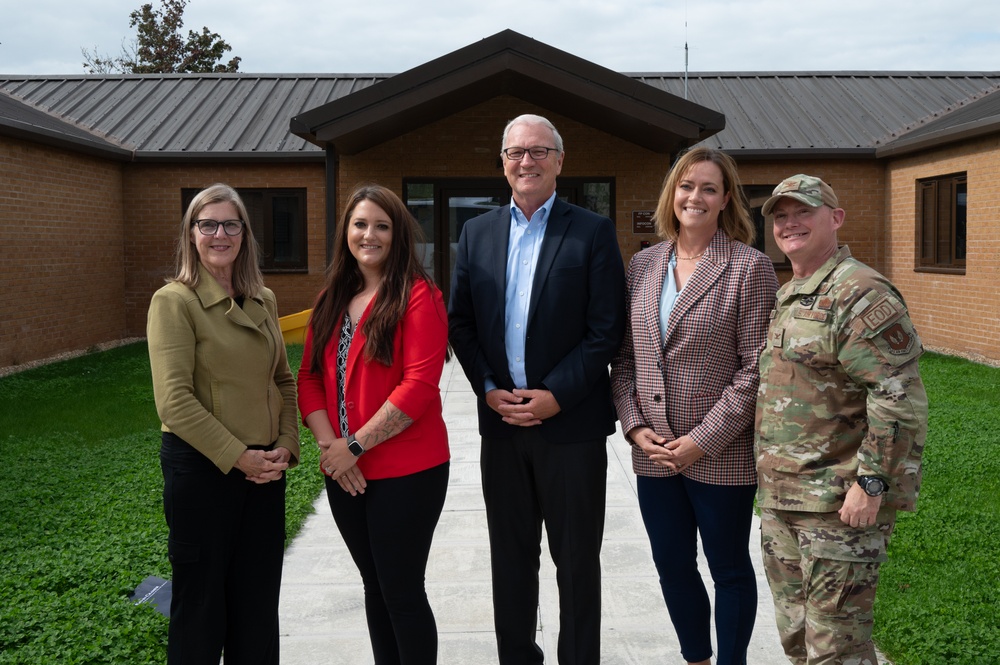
<point>322,604</point>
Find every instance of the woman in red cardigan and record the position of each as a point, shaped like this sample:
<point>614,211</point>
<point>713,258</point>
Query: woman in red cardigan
<point>368,390</point>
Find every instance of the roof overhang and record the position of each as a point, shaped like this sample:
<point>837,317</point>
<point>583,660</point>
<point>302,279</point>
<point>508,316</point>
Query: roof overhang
<point>509,63</point>
<point>23,121</point>
<point>935,139</point>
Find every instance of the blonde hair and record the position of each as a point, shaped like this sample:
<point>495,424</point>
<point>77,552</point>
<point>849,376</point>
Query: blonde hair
<point>247,278</point>
<point>735,217</point>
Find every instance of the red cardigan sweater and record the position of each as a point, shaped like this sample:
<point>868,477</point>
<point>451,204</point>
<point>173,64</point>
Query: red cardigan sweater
<point>411,383</point>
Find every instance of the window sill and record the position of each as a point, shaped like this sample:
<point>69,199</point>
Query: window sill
<point>940,270</point>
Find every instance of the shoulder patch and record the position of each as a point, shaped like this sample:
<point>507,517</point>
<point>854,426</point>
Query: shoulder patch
<point>879,314</point>
<point>898,339</point>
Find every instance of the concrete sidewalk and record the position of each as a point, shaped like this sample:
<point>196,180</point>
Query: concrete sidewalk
<point>322,604</point>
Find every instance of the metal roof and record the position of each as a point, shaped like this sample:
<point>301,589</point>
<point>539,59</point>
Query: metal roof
<point>975,119</point>
<point>783,114</point>
<point>247,116</point>
<point>191,116</point>
<point>26,122</point>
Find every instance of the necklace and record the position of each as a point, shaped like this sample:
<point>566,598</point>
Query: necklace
<point>689,258</point>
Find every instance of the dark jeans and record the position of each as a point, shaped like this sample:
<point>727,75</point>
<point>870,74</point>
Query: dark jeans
<point>226,547</point>
<point>675,510</point>
<point>388,531</point>
<point>527,481</point>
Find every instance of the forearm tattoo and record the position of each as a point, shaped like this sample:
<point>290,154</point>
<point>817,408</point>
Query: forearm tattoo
<point>387,423</point>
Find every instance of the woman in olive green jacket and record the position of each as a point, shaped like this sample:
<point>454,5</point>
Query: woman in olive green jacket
<point>226,398</point>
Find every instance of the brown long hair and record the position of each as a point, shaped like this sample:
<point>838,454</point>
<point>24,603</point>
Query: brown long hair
<point>247,278</point>
<point>344,280</point>
<point>734,218</point>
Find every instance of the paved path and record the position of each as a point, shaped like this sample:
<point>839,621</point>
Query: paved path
<point>322,605</point>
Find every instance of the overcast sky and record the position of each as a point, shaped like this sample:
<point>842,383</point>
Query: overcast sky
<point>391,36</point>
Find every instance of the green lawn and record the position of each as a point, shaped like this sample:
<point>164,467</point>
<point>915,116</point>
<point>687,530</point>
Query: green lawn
<point>81,519</point>
<point>939,597</point>
<point>81,522</point>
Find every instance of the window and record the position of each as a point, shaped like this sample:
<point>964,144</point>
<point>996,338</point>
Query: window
<point>764,240</point>
<point>278,220</point>
<point>941,215</point>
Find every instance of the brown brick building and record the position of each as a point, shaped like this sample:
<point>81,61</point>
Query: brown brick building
<point>95,171</point>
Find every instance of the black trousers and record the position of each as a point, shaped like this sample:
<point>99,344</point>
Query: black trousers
<point>388,531</point>
<point>226,547</point>
<point>528,481</point>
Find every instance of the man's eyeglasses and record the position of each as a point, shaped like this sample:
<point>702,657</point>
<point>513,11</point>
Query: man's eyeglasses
<point>209,227</point>
<point>537,153</point>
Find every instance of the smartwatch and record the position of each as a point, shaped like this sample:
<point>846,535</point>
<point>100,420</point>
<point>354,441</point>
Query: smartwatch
<point>872,485</point>
<point>356,448</point>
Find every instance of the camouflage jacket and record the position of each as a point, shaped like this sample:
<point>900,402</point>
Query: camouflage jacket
<point>840,391</point>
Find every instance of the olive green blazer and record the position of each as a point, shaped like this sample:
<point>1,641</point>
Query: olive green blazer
<point>221,379</point>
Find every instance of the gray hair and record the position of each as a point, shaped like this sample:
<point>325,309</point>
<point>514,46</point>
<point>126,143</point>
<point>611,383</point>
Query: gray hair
<point>531,119</point>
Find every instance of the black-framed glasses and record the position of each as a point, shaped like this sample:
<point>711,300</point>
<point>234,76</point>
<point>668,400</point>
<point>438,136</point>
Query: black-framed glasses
<point>209,227</point>
<point>537,153</point>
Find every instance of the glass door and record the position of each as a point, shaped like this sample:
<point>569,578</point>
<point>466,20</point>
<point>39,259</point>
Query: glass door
<point>442,207</point>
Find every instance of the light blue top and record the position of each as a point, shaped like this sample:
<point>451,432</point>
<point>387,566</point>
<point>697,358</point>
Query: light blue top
<point>668,296</point>
<point>523,247</point>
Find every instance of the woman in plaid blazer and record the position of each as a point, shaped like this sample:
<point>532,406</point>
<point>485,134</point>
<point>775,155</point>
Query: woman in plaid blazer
<point>685,386</point>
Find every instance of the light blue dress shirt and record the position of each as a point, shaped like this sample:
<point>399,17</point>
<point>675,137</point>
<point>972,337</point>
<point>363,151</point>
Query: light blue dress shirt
<point>668,296</point>
<point>523,247</point>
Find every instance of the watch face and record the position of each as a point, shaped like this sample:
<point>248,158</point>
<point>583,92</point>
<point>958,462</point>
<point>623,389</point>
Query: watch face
<point>873,486</point>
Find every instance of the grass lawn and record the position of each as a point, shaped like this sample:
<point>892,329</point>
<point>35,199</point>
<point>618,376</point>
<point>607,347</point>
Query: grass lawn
<point>81,522</point>
<point>81,518</point>
<point>939,596</point>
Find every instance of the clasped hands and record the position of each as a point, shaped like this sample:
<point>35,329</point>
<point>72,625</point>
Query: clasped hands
<point>524,408</point>
<point>340,464</point>
<point>263,466</point>
<point>676,455</point>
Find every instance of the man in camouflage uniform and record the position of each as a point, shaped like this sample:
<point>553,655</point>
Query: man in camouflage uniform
<point>841,422</point>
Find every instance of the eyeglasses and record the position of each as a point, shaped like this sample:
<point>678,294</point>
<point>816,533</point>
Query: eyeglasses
<point>537,153</point>
<point>209,227</point>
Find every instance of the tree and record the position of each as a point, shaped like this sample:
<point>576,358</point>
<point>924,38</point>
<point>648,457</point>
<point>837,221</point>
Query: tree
<point>160,48</point>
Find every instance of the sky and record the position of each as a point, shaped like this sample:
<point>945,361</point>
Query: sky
<point>44,37</point>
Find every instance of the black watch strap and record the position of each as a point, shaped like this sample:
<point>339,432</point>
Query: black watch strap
<point>356,448</point>
<point>872,485</point>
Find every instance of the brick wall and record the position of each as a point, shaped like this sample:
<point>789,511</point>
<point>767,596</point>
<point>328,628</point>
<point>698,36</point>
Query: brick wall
<point>62,251</point>
<point>952,312</point>
<point>859,185</point>
<point>101,237</point>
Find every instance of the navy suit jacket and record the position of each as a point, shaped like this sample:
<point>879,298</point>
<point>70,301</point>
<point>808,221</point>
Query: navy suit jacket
<point>576,318</point>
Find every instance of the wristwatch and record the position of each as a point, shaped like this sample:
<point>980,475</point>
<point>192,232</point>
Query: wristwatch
<point>872,485</point>
<point>356,448</point>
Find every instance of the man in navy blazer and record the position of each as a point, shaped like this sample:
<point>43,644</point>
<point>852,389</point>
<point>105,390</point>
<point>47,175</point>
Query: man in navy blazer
<point>537,312</point>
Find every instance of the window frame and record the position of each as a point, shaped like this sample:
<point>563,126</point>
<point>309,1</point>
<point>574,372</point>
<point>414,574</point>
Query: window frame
<point>929,259</point>
<point>764,233</point>
<point>263,229</point>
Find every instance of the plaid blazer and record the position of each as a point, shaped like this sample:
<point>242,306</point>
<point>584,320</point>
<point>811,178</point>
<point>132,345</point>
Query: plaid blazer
<point>703,379</point>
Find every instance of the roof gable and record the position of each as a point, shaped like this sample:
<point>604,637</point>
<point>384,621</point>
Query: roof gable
<point>509,63</point>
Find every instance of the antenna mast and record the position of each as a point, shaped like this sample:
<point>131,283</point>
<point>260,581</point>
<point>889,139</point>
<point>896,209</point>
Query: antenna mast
<point>685,50</point>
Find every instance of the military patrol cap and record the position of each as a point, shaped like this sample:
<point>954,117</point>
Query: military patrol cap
<point>805,188</point>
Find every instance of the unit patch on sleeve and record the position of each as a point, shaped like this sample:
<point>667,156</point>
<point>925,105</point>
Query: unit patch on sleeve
<point>880,312</point>
<point>898,340</point>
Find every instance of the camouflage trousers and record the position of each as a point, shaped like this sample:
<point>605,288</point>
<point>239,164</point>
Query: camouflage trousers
<point>823,575</point>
